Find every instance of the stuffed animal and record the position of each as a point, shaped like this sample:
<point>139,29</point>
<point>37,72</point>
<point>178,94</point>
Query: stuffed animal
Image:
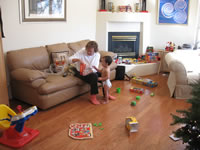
<point>69,70</point>
<point>64,70</point>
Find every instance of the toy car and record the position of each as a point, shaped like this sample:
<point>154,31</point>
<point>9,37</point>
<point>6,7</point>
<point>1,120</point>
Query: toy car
<point>137,90</point>
<point>146,82</point>
<point>150,83</point>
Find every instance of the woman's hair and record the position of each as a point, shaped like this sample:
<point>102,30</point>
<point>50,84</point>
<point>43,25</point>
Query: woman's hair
<point>92,44</point>
<point>108,59</point>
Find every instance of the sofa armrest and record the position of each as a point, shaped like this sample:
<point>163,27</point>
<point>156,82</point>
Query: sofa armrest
<point>23,74</point>
<point>106,53</point>
<point>178,68</point>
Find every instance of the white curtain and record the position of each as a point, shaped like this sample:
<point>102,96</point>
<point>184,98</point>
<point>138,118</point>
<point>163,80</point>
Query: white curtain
<point>198,27</point>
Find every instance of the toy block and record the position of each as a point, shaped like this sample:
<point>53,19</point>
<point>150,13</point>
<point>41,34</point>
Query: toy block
<point>137,90</point>
<point>131,124</point>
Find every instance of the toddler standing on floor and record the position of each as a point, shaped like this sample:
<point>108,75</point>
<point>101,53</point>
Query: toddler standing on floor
<point>105,77</point>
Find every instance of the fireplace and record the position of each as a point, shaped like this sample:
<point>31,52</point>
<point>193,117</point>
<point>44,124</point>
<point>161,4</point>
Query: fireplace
<point>125,44</point>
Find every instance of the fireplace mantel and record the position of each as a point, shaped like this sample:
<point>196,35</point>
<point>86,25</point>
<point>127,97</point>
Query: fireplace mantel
<point>124,19</point>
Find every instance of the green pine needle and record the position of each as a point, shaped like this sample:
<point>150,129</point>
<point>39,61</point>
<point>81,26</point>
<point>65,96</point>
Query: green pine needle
<point>190,120</point>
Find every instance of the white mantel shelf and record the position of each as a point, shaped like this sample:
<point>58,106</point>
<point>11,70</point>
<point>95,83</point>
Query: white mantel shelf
<point>124,16</point>
<point>105,18</point>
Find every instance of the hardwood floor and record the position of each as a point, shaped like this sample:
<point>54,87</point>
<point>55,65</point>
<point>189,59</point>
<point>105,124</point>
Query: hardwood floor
<point>152,113</point>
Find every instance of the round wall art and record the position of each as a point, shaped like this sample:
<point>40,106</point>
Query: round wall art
<point>173,11</point>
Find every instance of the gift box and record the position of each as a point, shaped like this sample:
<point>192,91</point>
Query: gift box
<point>152,57</point>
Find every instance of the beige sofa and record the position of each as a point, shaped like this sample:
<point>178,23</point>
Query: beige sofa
<point>32,85</point>
<point>184,66</point>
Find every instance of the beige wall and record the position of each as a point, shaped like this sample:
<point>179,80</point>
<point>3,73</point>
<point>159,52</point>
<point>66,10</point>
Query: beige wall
<point>81,24</point>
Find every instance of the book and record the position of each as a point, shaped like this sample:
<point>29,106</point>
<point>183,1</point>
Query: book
<point>173,137</point>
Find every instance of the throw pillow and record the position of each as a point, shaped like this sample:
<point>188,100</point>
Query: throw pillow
<point>77,46</point>
<point>60,60</point>
<point>60,47</point>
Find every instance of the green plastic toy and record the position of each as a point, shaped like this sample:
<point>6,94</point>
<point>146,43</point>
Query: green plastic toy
<point>100,124</point>
<point>152,94</point>
<point>118,90</point>
<point>138,97</point>
<point>133,103</point>
<point>95,124</point>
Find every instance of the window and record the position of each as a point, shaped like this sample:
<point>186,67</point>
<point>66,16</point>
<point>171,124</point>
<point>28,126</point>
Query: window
<point>197,44</point>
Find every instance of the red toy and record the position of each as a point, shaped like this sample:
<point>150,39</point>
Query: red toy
<point>149,49</point>
<point>152,57</point>
<point>80,131</point>
<point>82,68</point>
<point>170,46</point>
<point>137,90</point>
<point>15,134</point>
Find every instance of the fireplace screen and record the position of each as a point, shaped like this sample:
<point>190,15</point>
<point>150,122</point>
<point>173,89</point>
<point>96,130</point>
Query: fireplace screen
<point>125,44</point>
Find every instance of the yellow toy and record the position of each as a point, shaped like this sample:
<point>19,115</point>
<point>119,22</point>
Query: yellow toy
<point>5,114</point>
<point>143,81</point>
<point>131,124</point>
<point>15,134</point>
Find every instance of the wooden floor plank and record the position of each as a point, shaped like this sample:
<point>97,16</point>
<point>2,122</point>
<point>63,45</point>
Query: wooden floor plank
<point>152,113</point>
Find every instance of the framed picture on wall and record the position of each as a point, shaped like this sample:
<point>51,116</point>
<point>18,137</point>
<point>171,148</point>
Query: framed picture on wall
<point>173,11</point>
<point>43,10</point>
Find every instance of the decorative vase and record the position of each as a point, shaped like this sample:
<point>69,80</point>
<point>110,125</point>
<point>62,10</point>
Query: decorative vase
<point>103,5</point>
<point>110,5</point>
<point>143,5</point>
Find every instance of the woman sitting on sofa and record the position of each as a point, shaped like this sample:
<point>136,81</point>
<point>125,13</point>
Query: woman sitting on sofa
<point>89,57</point>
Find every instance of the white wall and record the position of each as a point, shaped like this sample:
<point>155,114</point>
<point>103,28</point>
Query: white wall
<point>81,24</point>
<point>179,34</point>
<point>161,34</point>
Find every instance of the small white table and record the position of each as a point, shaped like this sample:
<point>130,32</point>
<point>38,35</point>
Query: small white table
<point>163,65</point>
<point>141,69</point>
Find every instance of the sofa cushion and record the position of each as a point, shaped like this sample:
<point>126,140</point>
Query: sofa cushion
<point>60,47</point>
<point>37,83</point>
<point>113,66</point>
<point>36,58</point>
<point>190,59</point>
<point>23,74</point>
<point>76,46</point>
<point>107,53</point>
<point>56,83</point>
<point>193,77</point>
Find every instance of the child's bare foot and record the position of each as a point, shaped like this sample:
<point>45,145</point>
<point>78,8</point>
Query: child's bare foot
<point>112,97</point>
<point>105,102</point>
